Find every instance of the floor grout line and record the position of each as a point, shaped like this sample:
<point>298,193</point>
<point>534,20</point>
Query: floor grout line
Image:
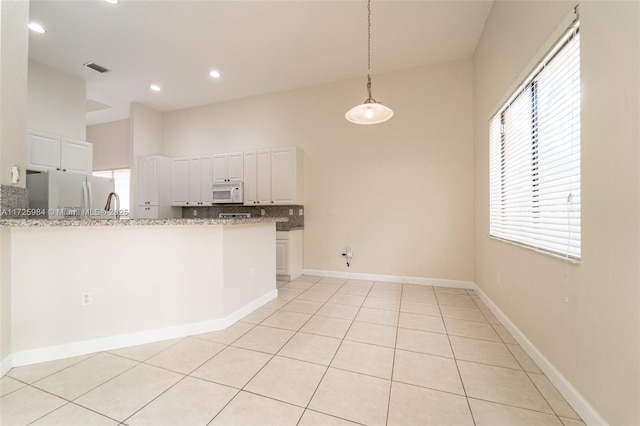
<point>384,293</point>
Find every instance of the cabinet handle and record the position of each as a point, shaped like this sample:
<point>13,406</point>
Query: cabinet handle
<point>58,168</point>
<point>64,170</point>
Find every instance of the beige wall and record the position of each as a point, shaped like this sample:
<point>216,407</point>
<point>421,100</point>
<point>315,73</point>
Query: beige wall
<point>5,298</point>
<point>111,145</point>
<point>145,138</point>
<point>14,40</point>
<point>57,102</point>
<point>584,318</point>
<point>400,192</point>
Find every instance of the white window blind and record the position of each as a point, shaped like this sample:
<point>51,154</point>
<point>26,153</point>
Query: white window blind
<point>535,156</point>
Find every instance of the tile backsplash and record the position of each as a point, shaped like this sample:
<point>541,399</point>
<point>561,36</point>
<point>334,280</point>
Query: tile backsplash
<point>14,202</point>
<point>296,220</point>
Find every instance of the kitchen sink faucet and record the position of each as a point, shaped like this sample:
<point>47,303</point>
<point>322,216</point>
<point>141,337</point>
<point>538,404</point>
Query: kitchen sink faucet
<point>108,206</point>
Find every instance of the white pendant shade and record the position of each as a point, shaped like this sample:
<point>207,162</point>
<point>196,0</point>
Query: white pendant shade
<point>369,113</point>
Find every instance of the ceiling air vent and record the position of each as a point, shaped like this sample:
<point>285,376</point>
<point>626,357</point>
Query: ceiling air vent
<point>96,67</point>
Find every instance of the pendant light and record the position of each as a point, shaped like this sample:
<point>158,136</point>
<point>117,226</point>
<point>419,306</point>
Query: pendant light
<point>370,112</point>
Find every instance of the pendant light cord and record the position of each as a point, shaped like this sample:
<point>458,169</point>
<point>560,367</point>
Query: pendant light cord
<point>370,111</point>
<point>369,47</point>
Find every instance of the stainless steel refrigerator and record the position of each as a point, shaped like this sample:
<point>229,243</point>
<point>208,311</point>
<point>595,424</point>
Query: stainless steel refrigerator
<point>66,195</point>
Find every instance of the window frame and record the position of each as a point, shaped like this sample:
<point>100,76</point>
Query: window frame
<point>530,84</point>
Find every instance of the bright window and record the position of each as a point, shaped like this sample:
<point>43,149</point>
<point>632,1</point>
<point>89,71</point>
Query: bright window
<point>535,156</point>
<point>122,179</point>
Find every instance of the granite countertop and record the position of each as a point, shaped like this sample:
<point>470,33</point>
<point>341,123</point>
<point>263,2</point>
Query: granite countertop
<point>285,227</point>
<point>48,223</point>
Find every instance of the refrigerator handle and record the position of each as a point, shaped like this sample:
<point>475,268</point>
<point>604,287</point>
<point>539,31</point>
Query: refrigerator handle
<point>85,197</point>
<point>90,199</point>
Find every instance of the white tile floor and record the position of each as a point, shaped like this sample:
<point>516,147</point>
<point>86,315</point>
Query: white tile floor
<point>326,352</point>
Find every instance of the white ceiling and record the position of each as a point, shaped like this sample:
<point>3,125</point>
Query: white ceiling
<point>258,46</point>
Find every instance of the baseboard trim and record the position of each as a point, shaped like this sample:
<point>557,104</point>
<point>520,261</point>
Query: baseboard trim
<point>584,409</point>
<point>578,402</point>
<point>391,278</point>
<point>52,353</point>
<point>6,364</point>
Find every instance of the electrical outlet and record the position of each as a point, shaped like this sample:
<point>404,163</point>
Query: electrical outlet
<point>253,272</point>
<point>86,298</point>
<point>261,212</point>
<point>290,212</point>
<point>195,212</point>
<point>300,212</point>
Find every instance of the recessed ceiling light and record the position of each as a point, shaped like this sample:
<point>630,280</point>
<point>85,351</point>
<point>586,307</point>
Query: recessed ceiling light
<point>33,26</point>
<point>112,1</point>
<point>214,74</point>
<point>155,87</point>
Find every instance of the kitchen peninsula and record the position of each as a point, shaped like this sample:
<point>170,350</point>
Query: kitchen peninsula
<point>82,286</point>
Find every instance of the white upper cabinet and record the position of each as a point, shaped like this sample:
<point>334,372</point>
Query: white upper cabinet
<point>76,156</point>
<point>148,186</point>
<point>206,179</point>
<point>43,151</point>
<point>194,181</point>
<point>180,180</point>
<point>263,177</point>
<point>273,176</point>
<point>191,181</point>
<point>250,178</point>
<point>286,176</point>
<point>228,167</point>
<point>51,152</point>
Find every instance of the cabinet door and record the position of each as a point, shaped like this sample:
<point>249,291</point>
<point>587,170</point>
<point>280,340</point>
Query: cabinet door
<point>250,178</point>
<point>43,151</point>
<point>282,254</point>
<point>235,166</point>
<point>154,181</point>
<point>283,175</point>
<point>143,181</point>
<point>180,181</point>
<point>219,172</point>
<point>147,212</point>
<point>76,156</point>
<point>194,181</point>
<point>206,163</point>
<point>263,177</point>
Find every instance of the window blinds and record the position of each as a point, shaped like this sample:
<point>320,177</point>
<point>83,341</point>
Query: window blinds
<point>535,156</point>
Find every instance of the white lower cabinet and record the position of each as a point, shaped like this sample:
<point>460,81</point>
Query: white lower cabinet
<point>289,254</point>
<point>282,257</point>
<point>147,212</point>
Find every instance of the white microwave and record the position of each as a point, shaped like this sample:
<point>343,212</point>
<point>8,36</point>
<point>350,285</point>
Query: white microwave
<point>227,192</point>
